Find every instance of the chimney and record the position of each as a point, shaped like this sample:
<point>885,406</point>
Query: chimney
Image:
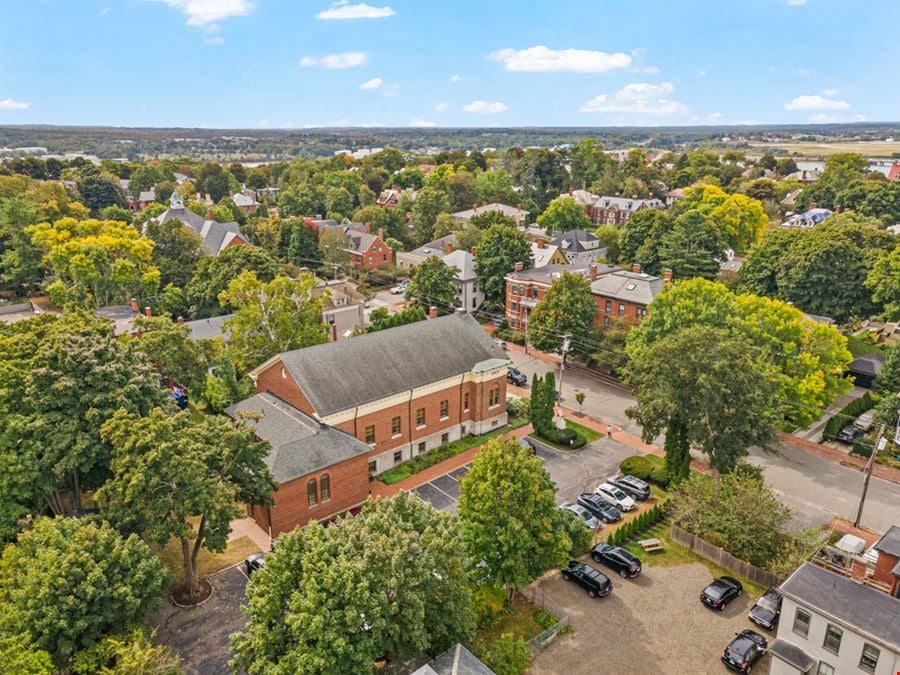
<point>432,312</point>
<point>449,247</point>
<point>540,243</point>
<point>148,312</point>
<point>333,332</point>
<point>209,214</point>
<point>180,319</point>
<point>519,267</point>
<point>134,306</point>
<point>368,228</point>
<point>636,268</point>
<point>381,233</point>
<point>395,188</point>
<point>667,275</point>
<point>593,272</point>
<point>474,251</point>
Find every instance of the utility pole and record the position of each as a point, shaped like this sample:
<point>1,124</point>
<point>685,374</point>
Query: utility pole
<point>880,445</point>
<point>567,343</point>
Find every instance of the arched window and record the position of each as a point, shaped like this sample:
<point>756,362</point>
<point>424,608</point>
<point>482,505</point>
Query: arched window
<point>325,487</point>
<point>311,493</point>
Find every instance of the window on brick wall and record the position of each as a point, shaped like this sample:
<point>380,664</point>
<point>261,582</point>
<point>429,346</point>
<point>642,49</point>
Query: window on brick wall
<point>398,456</point>
<point>312,496</point>
<point>370,433</point>
<point>421,447</point>
<point>325,487</point>
<point>445,409</point>
<point>395,426</point>
<point>609,306</point>
<point>420,417</point>
<point>466,401</point>
<point>641,312</point>
<point>621,309</point>
<point>494,396</point>
<point>445,438</point>
<point>373,466</point>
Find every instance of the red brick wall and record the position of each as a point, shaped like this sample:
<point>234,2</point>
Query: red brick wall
<point>883,568</point>
<point>286,388</point>
<point>349,487</point>
<point>380,253</point>
<point>631,309</point>
<point>519,312</point>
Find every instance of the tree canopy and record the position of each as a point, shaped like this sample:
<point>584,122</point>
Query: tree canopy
<point>214,273</point>
<point>567,308</point>
<point>500,249</point>
<point>564,214</point>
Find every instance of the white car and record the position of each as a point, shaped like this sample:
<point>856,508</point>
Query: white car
<point>864,422</point>
<point>586,516</point>
<point>400,288</point>
<point>615,496</point>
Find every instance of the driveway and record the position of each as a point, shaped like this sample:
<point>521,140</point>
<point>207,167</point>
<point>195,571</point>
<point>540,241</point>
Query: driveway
<point>200,634</point>
<point>652,624</point>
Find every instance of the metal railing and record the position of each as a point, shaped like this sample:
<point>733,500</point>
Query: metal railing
<point>540,599</point>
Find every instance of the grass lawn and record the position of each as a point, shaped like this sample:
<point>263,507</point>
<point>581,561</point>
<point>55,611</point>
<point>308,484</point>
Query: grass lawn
<point>521,622</point>
<point>860,347</point>
<point>589,434</point>
<point>207,562</point>
<point>675,554</point>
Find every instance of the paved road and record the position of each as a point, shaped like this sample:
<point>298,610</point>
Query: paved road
<point>813,487</point>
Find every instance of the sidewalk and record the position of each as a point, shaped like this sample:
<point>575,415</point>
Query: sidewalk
<point>887,473</point>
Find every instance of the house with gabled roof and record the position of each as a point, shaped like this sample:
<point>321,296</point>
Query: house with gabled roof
<point>215,236</point>
<point>520,216</point>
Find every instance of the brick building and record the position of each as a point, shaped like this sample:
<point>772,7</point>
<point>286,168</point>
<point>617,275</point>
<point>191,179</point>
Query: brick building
<point>611,210</point>
<point>367,251</point>
<point>626,294</point>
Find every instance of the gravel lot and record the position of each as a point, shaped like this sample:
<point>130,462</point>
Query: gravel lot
<point>652,624</point>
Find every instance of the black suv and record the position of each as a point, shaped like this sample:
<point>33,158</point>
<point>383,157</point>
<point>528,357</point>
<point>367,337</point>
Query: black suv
<point>633,487</point>
<point>744,650</point>
<point>254,562</point>
<point>849,434</point>
<point>516,377</point>
<point>593,580</point>
<point>767,609</point>
<point>720,592</point>
<point>599,507</point>
<point>616,557</point>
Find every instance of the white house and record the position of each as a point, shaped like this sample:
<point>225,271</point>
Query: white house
<point>468,295</point>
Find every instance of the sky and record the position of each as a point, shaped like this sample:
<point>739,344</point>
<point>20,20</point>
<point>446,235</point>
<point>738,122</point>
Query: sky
<point>317,63</point>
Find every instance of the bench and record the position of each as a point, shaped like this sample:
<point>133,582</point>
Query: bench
<point>650,545</point>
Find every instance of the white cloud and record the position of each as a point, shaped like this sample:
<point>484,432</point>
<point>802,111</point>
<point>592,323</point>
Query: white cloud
<point>796,3</point>
<point>336,61</point>
<point>541,59</point>
<point>440,107</point>
<point>716,116</point>
<point>454,79</point>
<point>423,124</point>
<point>816,102</point>
<point>374,83</point>
<point>214,40</point>
<point>345,11</point>
<point>637,98</point>
<point>201,12</point>
<point>12,104</point>
<point>829,92</point>
<point>484,107</point>
<point>263,123</point>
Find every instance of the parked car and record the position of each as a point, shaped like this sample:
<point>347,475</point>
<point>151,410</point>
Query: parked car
<point>744,650</point>
<point>720,592</point>
<point>528,445</point>
<point>400,288</point>
<point>864,422</point>
<point>516,377</point>
<point>615,496</point>
<point>254,562</point>
<point>767,610</point>
<point>591,579</point>
<point>632,486</point>
<point>627,565</point>
<point>586,517</point>
<point>599,507</point>
<point>849,434</point>
<point>501,344</point>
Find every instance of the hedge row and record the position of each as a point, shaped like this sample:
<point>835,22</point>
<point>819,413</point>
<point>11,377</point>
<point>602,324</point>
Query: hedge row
<point>854,409</point>
<point>566,437</point>
<point>646,467</point>
<point>643,522</point>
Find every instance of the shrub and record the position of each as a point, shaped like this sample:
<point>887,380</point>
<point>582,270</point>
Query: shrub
<point>638,466</point>
<point>545,618</point>
<point>508,655</point>
<point>579,441</point>
<point>862,448</point>
<point>489,605</point>
<point>517,407</point>
<point>660,477</point>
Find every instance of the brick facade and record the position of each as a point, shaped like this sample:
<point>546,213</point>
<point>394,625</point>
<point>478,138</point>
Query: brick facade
<point>609,309</point>
<point>378,255</point>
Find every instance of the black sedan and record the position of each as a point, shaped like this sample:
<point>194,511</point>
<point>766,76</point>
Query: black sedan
<point>627,565</point>
<point>516,377</point>
<point>599,507</point>
<point>744,651</point>
<point>767,610</point>
<point>633,487</point>
<point>591,579</point>
<point>849,434</point>
<point>721,591</point>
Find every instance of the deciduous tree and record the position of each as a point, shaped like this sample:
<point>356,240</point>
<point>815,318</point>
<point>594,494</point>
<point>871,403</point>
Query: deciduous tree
<point>214,273</point>
<point>501,247</point>
<point>564,214</point>
<point>433,285</point>
<point>567,309</point>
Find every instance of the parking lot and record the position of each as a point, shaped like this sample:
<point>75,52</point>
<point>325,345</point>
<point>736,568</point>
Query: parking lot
<point>652,624</point>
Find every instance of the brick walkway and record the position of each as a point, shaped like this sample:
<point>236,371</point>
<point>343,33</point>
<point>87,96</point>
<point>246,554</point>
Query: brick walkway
<point>846,527</point>
<point>888,473</point>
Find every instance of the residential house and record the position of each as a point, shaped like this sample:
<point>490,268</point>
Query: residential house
<point>626,294</point>
<point>468,295</point>
<point>438,247</point>
<point>401,391</point>
<point>455,661</point>
<point>805,176</point>
<point>207,329</point>
<point>344,310</point>
<point>831,624</point>
<point>619,210</point>
<point>215,236</point>
<point>543,254</point>
<point>367,251</point>
<point>245,201</point>
<point>525,288</point>
<point>518,215</point>
<point>809,218</point>
<point>894,172</point>
<point>673,196</point>
<point>579,246</point>
<point>390,197</point>
<point>865,368</point>
<point>790,199</point>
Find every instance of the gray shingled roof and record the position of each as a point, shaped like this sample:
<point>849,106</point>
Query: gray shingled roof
<point>300,444</point>
<point>435,247</point>
<point>574,240</point>
<point>890,542</point>
<point>215,235</point>
<point>871,613</point>
<point>340,375</point>
<point>629,286</point>
<point>625,204</point>
<point>207,329</point>
<point>867,364</point>
<point>455,661</point>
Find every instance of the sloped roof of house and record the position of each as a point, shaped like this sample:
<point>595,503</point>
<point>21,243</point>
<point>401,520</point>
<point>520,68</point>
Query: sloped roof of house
<point>574,241</point>
<point>359,242</point>
<point>542,255</point>
<point>890,542</point>
<point>455,661</point>
<point>626,204</point>
<point>340,375</point>
<point>462,261</point>
<point>207,329</point>
<point>867,364</point>
<point>435,247</point>
<point>242,200</point>
<point>216,236</point>
<point>636,287</point>
<point>510,211</point>
<point>300,444</point>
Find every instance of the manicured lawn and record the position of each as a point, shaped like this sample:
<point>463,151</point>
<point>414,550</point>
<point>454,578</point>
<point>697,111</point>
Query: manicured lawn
<point>860,347</point>
<point>590,434</point>
<point>520,622</point>
<point>207,562</point>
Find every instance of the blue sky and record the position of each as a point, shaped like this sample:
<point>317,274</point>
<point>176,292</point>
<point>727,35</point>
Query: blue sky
<point>297,63</point>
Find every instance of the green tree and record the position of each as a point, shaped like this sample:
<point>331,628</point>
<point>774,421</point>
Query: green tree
<point>609,340</point>
<point>430,203</point>
<point>20,259</point>
<point>487,217</point>
<point>224,386</point>
<point>272,317</point>
<point>333,248</point>
<point>143,178</point>
<point>518,542</point>
<point>495,187</point>
<point>129,653</point>
<point>381,319</point>
<point>509,654</point>
<point>640,239</point>
<point>501,247</point>
<point>692,248</point>
<point>298,243</point>
<point>169,347</point>
<point>883,280</point>
<point>708,389</point>
<point>588,162</point>
<point>542,402</point>
<point>564,214</point>
<point>338,203</point>
<point>758,273</point>
<point>97,192</point>
<point>177,250</point>
<point>178,476</point>
<point>567,309</point>
<point>609,239</point>
<point>433,285</point>
<point>20,656</point>
<point>388,582</point>
<point>67,582</point>
<point>888,379</point>
<point>461,190</point>
<point>214,273</point>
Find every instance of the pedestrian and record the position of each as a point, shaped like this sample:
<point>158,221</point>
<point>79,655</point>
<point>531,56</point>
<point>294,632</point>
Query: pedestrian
<point>609,430</point>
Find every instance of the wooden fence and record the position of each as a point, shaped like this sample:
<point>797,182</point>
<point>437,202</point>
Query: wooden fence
<point>723,558</point>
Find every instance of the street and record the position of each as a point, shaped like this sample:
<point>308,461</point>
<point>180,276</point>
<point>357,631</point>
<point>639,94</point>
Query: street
<point>814,488</point>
